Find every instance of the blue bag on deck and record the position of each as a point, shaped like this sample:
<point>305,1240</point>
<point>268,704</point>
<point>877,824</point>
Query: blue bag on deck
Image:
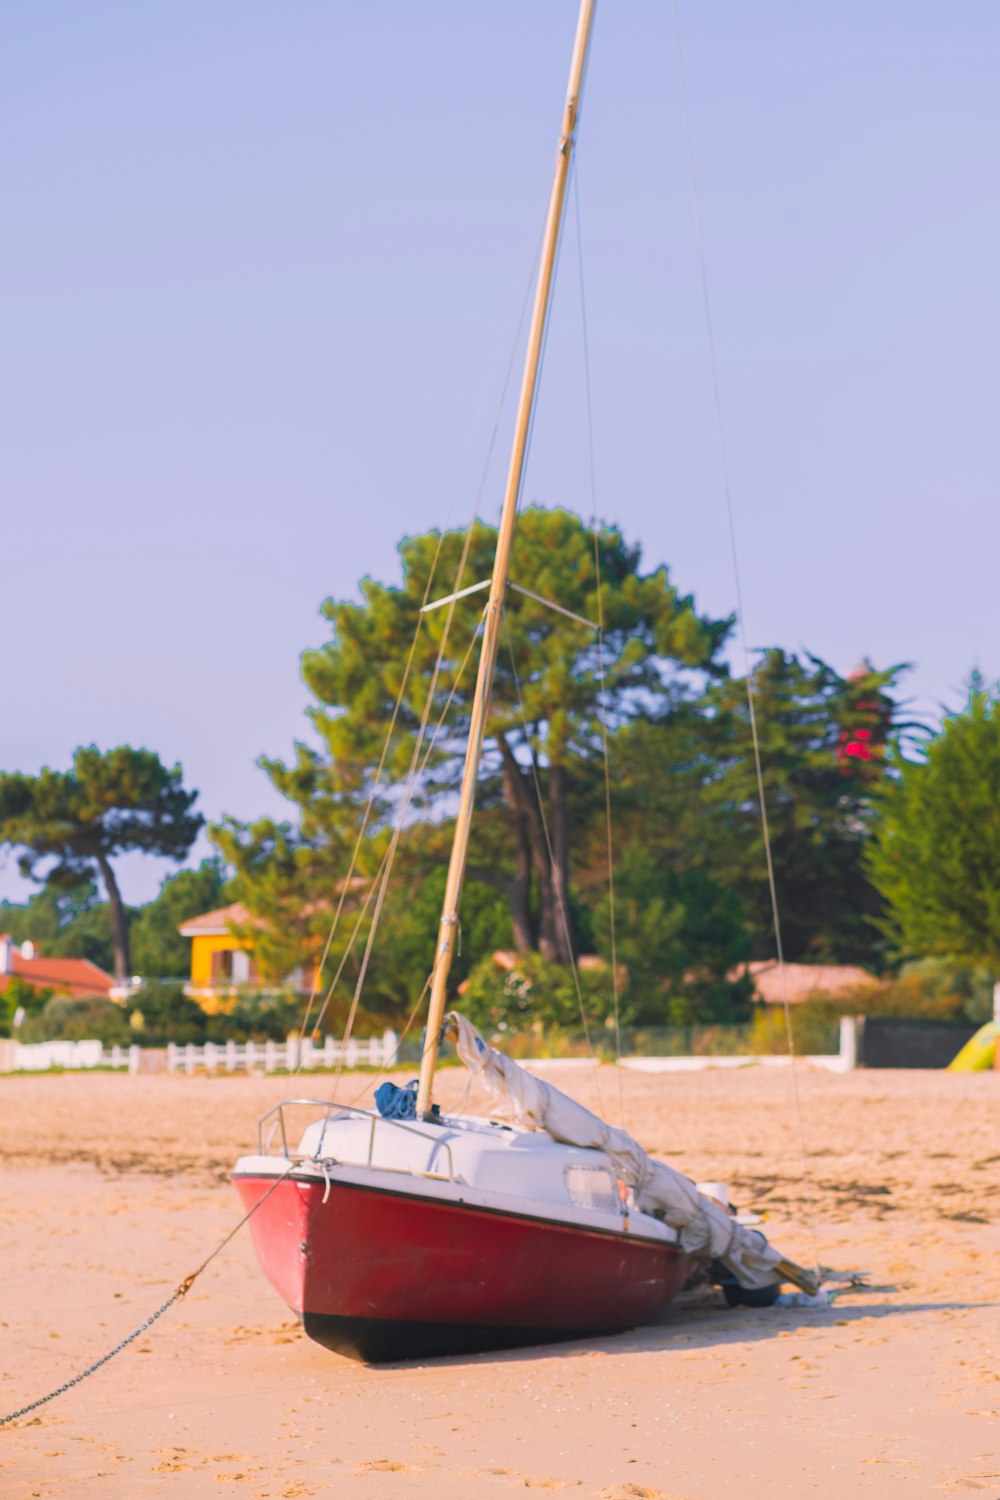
<point>394,1103</point>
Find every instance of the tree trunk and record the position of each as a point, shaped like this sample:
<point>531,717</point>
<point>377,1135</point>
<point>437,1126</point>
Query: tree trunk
<point>559,829</point>
<point>119,919</point>
<point>520,892</point>
<point>519,792</point>
<point>519,889</point>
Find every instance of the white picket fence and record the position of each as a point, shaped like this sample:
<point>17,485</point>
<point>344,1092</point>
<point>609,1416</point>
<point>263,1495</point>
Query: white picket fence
<point>211,1057</point>
<point>296,1052</point>
<point>36,1057</point>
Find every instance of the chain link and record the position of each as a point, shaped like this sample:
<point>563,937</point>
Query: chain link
<point>175,1296</point>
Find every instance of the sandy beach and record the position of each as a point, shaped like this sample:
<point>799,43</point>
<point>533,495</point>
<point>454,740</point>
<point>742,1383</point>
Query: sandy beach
<point>114,1188</point>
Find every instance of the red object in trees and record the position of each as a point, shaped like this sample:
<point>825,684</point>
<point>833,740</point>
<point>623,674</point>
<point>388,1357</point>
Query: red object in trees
<point>864,744</point>
<point>859,747</point>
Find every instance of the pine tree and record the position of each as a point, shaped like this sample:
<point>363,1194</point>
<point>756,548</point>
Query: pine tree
<point>936,853</point>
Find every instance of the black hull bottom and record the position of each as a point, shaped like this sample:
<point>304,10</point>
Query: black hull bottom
<point>378,1341</point>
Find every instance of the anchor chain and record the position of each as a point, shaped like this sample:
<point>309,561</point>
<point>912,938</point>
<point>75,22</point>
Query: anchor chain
<point>175,1296</point>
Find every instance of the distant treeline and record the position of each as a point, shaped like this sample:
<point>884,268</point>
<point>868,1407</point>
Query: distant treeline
<point>884,837</point>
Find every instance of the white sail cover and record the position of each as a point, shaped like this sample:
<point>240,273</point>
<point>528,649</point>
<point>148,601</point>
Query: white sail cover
<point>704,1227</point>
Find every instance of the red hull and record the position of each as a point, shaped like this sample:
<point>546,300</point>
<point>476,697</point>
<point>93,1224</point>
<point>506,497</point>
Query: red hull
<point>383,1275</point>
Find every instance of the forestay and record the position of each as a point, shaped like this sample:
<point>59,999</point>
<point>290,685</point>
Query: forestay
<point>704,1227</point>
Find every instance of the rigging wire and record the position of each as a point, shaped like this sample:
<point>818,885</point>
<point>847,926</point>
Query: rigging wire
<point>380,875</point>
<point>384,871</point>
<point>417,768</point>
<point>484,473</point>
<point>560,894</point>
<point>602,701</point>
<point>731,525</point>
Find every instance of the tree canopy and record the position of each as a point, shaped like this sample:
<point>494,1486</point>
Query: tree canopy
<point>158,950</point>
<point>69,922</point>
<point>820,800</point>
<point>70,825</point>
<point>935,855</point>
<point>551,684</point>
<point>691,877</point>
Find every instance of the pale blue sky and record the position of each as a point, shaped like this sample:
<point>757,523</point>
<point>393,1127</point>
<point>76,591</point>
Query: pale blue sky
<point>262,266</point>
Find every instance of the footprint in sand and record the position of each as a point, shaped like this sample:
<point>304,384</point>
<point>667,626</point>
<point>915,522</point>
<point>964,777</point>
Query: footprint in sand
<point>983,1481</point>
<point>631,1492</point>
<point>174,1460</point>
<point>384,1466</point>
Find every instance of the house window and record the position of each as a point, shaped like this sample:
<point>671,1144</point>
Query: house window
<point>222,965</point>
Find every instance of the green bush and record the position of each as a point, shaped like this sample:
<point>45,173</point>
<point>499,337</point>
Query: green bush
<point>20,994</point>
<point>535,994</point>
<point>162,1013</point>
<point>65,1020</point>
<point>932,990</point>
<point>815,1028</point>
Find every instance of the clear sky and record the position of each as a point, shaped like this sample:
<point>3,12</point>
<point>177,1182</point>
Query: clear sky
<point>262,267</point>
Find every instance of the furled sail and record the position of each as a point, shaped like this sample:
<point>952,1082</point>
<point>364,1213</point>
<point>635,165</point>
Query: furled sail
<point>704,1227</point>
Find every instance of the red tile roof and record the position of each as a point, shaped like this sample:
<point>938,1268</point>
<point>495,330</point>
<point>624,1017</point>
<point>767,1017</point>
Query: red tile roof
<point>797,982</point>
<point>76,977</point>
<point>220,923</point>
<point>217,923</point>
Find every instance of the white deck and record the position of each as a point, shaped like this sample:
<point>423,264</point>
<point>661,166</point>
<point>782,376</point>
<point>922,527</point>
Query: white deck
<point>468,1161</point>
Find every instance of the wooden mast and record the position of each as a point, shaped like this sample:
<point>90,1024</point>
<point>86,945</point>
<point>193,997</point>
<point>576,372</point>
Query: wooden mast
<point>501,564</point>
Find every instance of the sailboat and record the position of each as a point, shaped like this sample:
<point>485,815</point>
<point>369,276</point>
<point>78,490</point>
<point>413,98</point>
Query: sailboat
<point>398,1238</point>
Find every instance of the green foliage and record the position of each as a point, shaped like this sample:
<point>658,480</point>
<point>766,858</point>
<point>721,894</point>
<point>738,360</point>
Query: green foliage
<point>18,994</point>
<point>649,628</point>
<point>815,1029</point>
<point>158,950</point>
<point>110,801</point>
<point>293,886</point>
<point>964,991</point>
<point>679,934</point>
<point>820,810</point>
<point>546,723</point>
<point>686,791</point>
<point>68,922</point>
<point>691,876</point>
<point>63,1019</point>
<point>404,956</point>
<point>75,923</point>
<point>74,822</point>
<point>257,1018</point>
<point>935,857</point>
<point>930,990</point>
<point>29,997</point>
<point>535,993</point>
<point>161,1013</point>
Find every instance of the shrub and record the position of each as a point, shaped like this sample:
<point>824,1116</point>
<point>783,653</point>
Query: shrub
<point>162,1013</point>
<point>19,994</point>
<point>534,994</point>
<point>932,990</point>
<point>166,1014</point>
<point>66,1020</point>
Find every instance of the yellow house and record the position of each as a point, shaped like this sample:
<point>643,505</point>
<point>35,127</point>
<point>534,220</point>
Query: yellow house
<point>219,959</point>
<point>221,962</point>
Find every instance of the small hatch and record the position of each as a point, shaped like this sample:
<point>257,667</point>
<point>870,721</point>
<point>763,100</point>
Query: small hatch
<point>592,1187</point>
